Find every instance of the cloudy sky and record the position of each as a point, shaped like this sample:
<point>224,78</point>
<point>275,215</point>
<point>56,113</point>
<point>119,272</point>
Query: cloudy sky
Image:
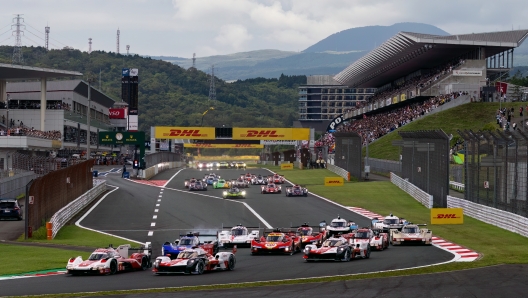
<point>213,27</point>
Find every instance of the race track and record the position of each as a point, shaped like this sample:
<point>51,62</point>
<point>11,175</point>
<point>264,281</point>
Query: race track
<point>130,212</point>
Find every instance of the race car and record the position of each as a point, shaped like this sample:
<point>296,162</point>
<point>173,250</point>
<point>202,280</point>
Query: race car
<point>366,235</point>
<point>195,261</point>
<point>210,179</point>
<point>221,183</point>
<point>110,261</point>
<point>240,182</point>
<point>259,180</point>
<point>411,233</point>
<point>276,178</point>
<point>238,235</point>
<point>388,223</point>
<point>336,248</point>
<point>270,188</point>
<point>223,165</point>
<point>201,165</point>
<point>340,225</point>
<point>233,193</point>
<point>188,182</point>
<point>247,177</point>
<point>198,185</point>
<point>190,240</point>
<point>277,242</point>
<point>240,165</point>
<point>308,236</point>
<point>296,191</point>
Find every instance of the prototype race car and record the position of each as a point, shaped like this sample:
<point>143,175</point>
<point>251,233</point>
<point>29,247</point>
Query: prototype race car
<point>276,178</point>
<point>277,242</point>
<point>233,193</point>
<point>221,183</point>
<point>388,223</point>
<point>308,236</point>
<point>210,179</point>
<point>238,235</point>
<point>247,177</point>
<point>339,225</point>
<point>188,182</point>
<point>332,249</point>
<point>240,182</point>
<point>411,233</point>
<point>270,188</point>
<point>259,180</point>
<point>190,240</point>
<point>198,185</point>
<point>366,235</point>
<point>110,261</point>
<point>195,261</point>
<point>201,165</point>
<point>296,191</point>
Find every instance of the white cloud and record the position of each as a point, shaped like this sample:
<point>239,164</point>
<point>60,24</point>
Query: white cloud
<point>233,35</point>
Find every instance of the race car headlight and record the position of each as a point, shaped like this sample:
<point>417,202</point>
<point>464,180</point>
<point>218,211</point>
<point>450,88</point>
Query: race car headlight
<point>225,193</point>
<point>340,249</point>
<point>287,248</point>
<point>243,193</point>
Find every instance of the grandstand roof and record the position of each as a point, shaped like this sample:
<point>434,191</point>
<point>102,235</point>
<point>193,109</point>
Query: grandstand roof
<point>407,52</point>
<point>20,72</point>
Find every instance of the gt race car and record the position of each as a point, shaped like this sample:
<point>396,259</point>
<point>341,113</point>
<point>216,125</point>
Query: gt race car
<point>259,180</point>
<point>190,240</point>
<point>296,191</point>
<point>277,242</point>
<point>411,233</point>
<point>222,183</point>
<point>233,193</point>
<point>110,261</point>
<point>332,249</point>
<point>339,226</point>
<point>309,236</point>
<point>195,261</point>
<point>270,188</point>
<point>238,235</point>
<point>240,165</point>
<point>198,185</point>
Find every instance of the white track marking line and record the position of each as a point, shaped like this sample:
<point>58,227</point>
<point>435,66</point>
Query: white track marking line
<point>156,210</point>
<point>159,200</point>
<point>258,216</point>
<point>157,205</point>
<point>159,196</point>
<point>154,217</point>
<point>152,224</point>
<point>164,185</point>
<point>150,233</point>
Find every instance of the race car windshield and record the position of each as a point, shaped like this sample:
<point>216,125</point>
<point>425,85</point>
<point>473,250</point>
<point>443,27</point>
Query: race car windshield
<point>233,190</point>
<point>186,241</point>
<point>305,231</point>
<point>296,188</point>
<point>187,255</point>
<point>271,185</point>
<point>362,235</point>
<point>390,221</point>
<point>238,232</point>
<point>332,242</point>
<point>259,177</point>
<point>337,224</point>
<point>410,230</point>
<point>274,238</point>
<point>97,256</point>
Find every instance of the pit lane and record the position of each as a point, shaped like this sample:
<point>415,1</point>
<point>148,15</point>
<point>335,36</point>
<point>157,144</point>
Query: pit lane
<point>128,212</point>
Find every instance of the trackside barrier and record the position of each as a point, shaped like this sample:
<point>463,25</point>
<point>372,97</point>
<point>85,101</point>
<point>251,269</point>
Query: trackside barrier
<point>154,170</point>
<point>456,185</point>
<point>339,171</point>
<point>420,195</point>
<point>500,218</point>
<point>66,213</point>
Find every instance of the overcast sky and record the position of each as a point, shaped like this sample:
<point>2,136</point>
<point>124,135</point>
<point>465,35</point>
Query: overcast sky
<point>214,27</point>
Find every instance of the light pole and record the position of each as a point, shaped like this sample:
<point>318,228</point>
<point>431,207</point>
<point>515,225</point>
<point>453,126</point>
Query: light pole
<point>88,117</point>
<point>211,108</point>
<point>7,123</point>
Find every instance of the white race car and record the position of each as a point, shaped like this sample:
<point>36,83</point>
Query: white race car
<point>339,226</point>
<point>238,235</point>
<point>378,241</point>
<point>240,182</point>
<point>388,223</point>
<point>411,233</point>
<point>259,180</point>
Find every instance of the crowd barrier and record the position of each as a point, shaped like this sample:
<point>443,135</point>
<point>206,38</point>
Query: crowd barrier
<point>502,219</point>
<point>154,170</point>
<point>457,186</point>
<point>415,192</point>
<point>339,171</point>
<point>66,213</point>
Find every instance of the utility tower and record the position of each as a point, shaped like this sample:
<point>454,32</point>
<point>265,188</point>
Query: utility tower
<point>17,50</point>
<point>47,31</point>
<point>89,45</point>
<point>212,88</point>
<point>117,43</point>
<point>128,48</point>
<point>194,60</point>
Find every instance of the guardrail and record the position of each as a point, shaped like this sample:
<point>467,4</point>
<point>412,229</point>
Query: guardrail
<point>339,171</point>
<point>456,185</point>
<point>66,213</point>
<point>500,218</point>
<point>154,170</point>
<point>420,195</point>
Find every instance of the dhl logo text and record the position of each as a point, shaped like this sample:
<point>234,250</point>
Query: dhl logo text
<point>446,216</point>
<point>243,146</point>
<point>261,134</point>
<point>333,181</point>
<point>203,146</point>
<point>185,133</point>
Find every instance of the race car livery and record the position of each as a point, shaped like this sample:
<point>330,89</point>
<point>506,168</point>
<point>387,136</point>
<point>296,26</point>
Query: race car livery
<point>332,249</point>
<point>339,225</point>
<point>240,165</point>
<point>195,261</point>
<point>188,182</point>
<point>238,235</point>
<point>388,223</point>
<point>276,178</point>
<point>277,242</point>
<point>223,165</point>
<point>296,191</point>
<point>259,180</point>
<point>247,177</point>
<point>202,165</point>
<point>233,193</point>
<point>198,185</point>
<point>110,261</point>
<point>190,240</point>
<point>411,233</point>
<point>270,188</point>
<point>367,236</point>
<point>222,183</point>
<point>210,179</point>
<point>240,182</point>
<point>309,236</point>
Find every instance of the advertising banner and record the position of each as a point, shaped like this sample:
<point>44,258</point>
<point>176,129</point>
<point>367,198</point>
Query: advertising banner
<point>117,113</point>
<point>403,97</point>
<point>271,133</point>
<point>193,133</point>
<point>278,142</point>
<point>467,73</point>
<point>388,102</point>
<point>395,99</point>
<point>447,216</point>
<point>334,123</point>
<point>286,166</point>
<point>228,146</point>
<point>334,181</point>
<point>501,87</point>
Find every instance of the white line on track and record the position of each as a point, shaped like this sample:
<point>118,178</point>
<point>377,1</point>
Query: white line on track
<point>157,205</point>
<point>159,200</point>
<point>160,196</point>
<point>150,233</point>
<point>156,210</point>
<point>152,224</point>
<point>154,217</point>
<point>164,185</point>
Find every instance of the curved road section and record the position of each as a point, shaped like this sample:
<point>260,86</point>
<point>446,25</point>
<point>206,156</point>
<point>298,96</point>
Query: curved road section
<point>157,214</point>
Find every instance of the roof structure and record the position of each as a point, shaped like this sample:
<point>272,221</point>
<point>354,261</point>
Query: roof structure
<point>407,52</point>
<point>13,72</point>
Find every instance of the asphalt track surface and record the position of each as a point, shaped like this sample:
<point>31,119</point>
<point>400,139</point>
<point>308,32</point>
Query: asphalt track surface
<point>129,212</point>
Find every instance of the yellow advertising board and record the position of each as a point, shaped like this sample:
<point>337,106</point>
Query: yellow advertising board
<point>286,166</point>
<point>334,181</point>
<point>447,216</point>
<point>395,99</point>
<point>295,134</point>
<point>238,146</point>
<point>403,97</point>
<point>193,133</point>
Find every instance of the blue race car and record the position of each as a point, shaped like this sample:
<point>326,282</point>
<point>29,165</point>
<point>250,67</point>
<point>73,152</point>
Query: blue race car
<point>188,241</point>
<point>211,179</point>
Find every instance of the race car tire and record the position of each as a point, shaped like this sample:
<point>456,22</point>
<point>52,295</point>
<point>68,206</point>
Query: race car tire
<point>113,267</point>
<point>144,263</point>
<point>199,269</point>
<point>346,256</point>
<point>367,255</point>
<point>231,263</point>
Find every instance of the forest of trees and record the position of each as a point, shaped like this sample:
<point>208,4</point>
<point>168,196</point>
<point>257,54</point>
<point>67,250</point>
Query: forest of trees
<point>171,96</point>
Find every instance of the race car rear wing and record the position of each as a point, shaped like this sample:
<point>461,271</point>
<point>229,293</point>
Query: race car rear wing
<point>124,250</point>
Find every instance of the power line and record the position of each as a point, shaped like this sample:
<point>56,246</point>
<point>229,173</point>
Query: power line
<point>34,34</point>
<point>5,39</point>
<point>6,32</point>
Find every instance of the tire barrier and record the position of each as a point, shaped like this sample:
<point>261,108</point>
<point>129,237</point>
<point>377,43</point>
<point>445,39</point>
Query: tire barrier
<point>420,195</point>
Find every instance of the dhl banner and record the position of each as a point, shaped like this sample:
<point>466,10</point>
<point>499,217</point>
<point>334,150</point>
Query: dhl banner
<point>395,99</point>
<point>298,134</point>
<point>403,97</point>
<point>236,146</point>
<point>286,166</point>
<point>334,181</point>
<point>447,216</point>
<point>194,133</point>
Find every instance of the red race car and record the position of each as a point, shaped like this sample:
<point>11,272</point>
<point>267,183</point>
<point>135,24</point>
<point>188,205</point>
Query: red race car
<point>270,188</point>
<point>195,261</point>
<point>248,177</point>
<point>276,178</point>
<point>309,236</point>
<point>277,242</point>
